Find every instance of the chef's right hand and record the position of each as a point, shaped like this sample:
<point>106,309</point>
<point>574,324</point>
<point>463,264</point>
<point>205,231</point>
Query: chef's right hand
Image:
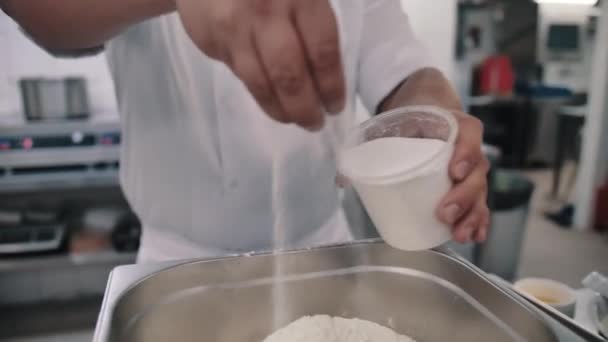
<point>287,52</point>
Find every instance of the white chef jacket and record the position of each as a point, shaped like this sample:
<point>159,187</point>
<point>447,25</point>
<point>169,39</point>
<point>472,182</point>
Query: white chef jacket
<point>198,161</point>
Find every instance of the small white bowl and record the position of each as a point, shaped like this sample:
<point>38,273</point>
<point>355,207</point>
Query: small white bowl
<point>549,292</point>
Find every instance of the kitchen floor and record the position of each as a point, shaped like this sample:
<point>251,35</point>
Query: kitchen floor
<point>549,251</point>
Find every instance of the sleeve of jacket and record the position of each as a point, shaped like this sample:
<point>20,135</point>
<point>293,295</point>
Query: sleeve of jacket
<point>389,51</point>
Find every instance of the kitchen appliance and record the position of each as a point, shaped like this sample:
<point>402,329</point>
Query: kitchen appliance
<point>54,99</point>
<point>59,154</point>
<point>429,295</point>
<point>31,238</point>
<point>77,99</point>
<point>31,230</point>
<point>48,162</point>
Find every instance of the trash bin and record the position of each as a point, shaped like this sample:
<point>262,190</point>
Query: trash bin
<point>511,195</point>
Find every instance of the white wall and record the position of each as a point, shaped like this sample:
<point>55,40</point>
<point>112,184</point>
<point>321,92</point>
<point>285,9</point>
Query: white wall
<point>483,19</point>
<point>593,166</point>
<point>19,57</point>
<point>434,22</point>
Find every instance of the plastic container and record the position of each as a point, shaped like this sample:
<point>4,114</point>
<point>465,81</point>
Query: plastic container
<point>597,282</point>
<point>549,292</point>
<point>403,202</point>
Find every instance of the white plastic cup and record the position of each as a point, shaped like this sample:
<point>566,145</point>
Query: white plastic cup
<point>403,204</point>
<point>549,292</point>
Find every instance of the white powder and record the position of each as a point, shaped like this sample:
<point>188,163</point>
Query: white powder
<point>388,156</point>
<point>335,329</point>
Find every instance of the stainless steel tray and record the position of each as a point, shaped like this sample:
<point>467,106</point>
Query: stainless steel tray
<point>428,295</point>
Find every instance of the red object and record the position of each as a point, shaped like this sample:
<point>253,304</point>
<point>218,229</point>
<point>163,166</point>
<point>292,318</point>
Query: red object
<point>601,209</point>
<point>107,141</point>
<point>27,143</point>
<point>497,76</point>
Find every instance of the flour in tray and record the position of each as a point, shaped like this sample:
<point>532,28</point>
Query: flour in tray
<point>335,329</point>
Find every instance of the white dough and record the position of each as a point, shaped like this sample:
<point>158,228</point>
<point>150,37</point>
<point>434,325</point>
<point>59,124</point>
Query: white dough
<point>335,329</point>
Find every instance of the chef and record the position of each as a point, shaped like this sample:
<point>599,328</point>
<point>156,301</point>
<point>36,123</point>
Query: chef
<point>208,89</point>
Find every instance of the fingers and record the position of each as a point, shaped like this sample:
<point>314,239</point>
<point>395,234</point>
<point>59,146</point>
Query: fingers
<point>465,207</point>
<point>474,225</point>
<point>467,153</point>
<point>283,59</point>
<point>483,231</point>
<point>463,196</point>
<point>209,34</point>
<point>318,30</point>
<point>287,53</point>
<point>247,66</point>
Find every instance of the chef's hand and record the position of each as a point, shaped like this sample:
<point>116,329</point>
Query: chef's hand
<point>465,207</point>
<point>285,51</point>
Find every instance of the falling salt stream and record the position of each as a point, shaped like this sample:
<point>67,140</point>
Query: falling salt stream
<point>278,288</point>
<point>332,135</point>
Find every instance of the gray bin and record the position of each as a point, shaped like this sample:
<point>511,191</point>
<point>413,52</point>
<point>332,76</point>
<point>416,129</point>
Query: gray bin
<point>510,202</point>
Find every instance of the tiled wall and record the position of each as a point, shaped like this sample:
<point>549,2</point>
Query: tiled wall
<point>19,57</point>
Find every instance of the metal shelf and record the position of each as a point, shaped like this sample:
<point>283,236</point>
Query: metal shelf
<point>65,261</point>
<point>60,182</point>
<point>60,278</point>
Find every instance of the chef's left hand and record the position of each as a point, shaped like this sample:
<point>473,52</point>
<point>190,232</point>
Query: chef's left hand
<point>465,206</point>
